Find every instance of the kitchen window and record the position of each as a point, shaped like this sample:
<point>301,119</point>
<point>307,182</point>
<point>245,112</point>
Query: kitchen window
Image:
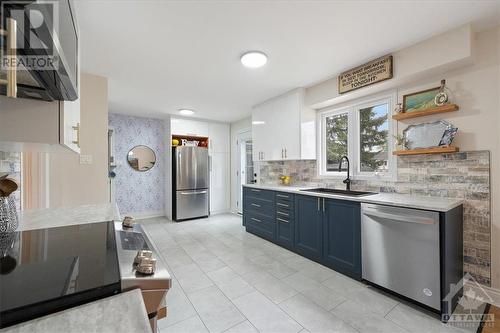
<point>361,131</point>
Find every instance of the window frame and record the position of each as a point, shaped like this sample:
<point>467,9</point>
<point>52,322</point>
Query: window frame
<point>352,110</point>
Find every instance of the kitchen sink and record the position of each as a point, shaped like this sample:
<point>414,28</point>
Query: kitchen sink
<point>339,192</point>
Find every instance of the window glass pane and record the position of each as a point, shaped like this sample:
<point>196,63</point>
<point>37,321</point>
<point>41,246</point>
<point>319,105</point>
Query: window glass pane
<point>336,140</point>
<point>373,150</point>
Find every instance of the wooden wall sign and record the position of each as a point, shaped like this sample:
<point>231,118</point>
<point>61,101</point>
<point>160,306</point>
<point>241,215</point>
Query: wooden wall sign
<point>372,72</point>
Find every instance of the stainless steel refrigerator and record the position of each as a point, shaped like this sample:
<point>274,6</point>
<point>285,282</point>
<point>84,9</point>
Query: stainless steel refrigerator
<point>190,182</point>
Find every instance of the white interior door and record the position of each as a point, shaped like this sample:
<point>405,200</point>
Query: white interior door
<point>244,170</point>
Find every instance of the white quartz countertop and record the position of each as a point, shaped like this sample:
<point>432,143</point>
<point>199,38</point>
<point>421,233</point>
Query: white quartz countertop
<point>124,312</point>
<point>59,217</point>
<point>390,199</point>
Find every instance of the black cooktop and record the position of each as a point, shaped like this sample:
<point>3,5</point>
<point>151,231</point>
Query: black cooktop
<point>47,270</point>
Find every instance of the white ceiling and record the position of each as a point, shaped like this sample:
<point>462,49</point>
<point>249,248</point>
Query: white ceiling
<point>160,56</point>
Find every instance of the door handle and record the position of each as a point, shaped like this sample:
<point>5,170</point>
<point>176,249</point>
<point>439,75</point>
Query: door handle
<point>193,193</point>
<point>282,220</point>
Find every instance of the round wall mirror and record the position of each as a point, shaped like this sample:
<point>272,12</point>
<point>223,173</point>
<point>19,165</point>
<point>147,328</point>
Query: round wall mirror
<point>141,158</point>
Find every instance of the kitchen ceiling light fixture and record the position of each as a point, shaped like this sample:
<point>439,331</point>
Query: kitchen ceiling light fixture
<point>254,59</point>
<point>186,112</point>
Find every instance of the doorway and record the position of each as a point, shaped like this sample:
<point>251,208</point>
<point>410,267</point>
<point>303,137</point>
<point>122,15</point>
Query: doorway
<point>244,171</point>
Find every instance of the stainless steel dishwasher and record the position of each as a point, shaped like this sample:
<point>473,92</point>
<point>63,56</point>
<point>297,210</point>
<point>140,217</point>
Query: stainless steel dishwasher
<point>400,251</point>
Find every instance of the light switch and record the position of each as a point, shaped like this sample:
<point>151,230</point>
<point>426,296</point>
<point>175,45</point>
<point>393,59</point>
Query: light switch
<point>85,159</point>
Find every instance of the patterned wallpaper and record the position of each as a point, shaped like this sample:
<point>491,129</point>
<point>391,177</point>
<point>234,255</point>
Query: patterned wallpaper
<point>138,192</point>
<point>464,175</point>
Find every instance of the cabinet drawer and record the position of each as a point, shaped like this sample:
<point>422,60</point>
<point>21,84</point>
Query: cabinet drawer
<point>287,214</point>
<point>258,193</point>
<point>259,206</point>
<point>261,225</point>
<point>284,196</point>
<point>284,205</point>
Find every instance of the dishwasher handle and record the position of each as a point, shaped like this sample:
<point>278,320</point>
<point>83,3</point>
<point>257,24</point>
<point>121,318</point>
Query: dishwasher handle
<point>399,218</point>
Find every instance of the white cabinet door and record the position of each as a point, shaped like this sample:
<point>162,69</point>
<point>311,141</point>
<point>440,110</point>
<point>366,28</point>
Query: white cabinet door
<point>189,127</point>
<point>219,183</point>
<point>70,126</point>
<point>218,135</point>
<point>288,136</point>
<point>259,128</point>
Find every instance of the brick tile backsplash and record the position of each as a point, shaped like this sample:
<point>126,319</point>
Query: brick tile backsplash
<point>464,175</point>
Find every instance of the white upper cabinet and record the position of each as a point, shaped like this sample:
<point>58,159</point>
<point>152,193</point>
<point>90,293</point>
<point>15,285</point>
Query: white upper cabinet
<point>189,127</point>
<point>218,135</point>
<point>33,125</point>
<point>70,127</point>
<point>284,129</point>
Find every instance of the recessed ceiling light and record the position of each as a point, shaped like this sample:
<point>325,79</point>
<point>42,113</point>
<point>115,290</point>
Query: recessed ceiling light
<point>254,59</point>
<point>186,112</point>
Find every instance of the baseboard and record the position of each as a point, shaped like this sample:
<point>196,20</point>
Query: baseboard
<point>493,293</point>
<point>145,215</point>
<point>225,211</point>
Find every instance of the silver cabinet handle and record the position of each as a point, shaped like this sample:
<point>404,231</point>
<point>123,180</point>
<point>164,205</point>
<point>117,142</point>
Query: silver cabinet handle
<point>283,196</point>
<point>281,220</point>
<point>256,220</point>
<point>285,154</point>
<point>77,129</point>
<point>318,203</point>
<point>399,218</point>
<point>193,193</point>
<point>282,205</point>
<point>254,204</point>
<point>282,213</point>
<point>323,205</point>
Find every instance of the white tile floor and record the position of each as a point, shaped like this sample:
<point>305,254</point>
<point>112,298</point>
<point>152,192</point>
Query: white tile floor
<point>228,280</point>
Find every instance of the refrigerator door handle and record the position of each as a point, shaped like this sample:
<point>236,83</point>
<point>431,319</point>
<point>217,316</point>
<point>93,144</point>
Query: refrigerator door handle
<point>193,193</point>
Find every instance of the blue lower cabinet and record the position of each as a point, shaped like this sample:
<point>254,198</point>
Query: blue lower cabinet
<point>285,219</point>
<point>324,230</point>
<point>261,225</point>
<point>308,226</point>
<point>342,237</point>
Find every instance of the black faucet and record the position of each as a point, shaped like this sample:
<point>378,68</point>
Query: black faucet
<point>346,181</point>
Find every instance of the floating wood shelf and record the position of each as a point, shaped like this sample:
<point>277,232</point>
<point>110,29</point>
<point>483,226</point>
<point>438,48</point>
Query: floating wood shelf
<point>426,112</point>
<point>435,150</point>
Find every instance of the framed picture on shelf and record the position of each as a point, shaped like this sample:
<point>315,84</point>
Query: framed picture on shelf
<point>420,100</point>
<point>448,136</point>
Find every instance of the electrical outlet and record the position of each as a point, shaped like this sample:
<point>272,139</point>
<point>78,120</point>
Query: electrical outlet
<point>85,159</point>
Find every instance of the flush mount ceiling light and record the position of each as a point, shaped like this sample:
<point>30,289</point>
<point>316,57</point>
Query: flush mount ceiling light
<point>186,112</point>
<point>254,59</point>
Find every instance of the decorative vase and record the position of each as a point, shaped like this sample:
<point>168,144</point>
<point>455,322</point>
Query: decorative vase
<point>9,220</point>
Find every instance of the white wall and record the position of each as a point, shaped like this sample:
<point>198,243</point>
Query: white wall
<point>72,183</point>
<point>473,77</point>
<point>238,127</point>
